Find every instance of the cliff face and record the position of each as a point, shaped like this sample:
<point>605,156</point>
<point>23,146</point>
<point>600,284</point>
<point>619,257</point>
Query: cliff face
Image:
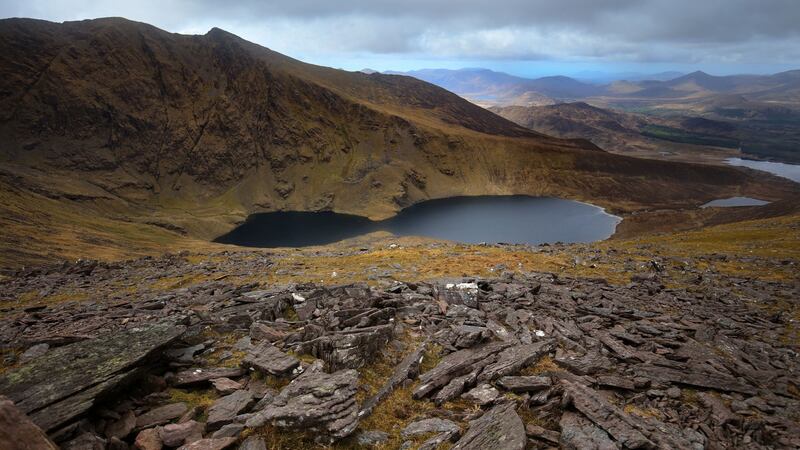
<point>194,132</point>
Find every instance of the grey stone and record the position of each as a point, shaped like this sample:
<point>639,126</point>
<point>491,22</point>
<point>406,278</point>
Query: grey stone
<point>579,433</point>
<point>209,444</point>
<point>122,427</point>
<point>86,370</point>
<point>161,415</point>
<point>317,402</point>
<point>499,428</point>
<point>372,438</point>
<point>267,358</point>
<point>225,409</point>
<point>229,430</point>
<point>525,383</point>
<point>431,425</point>
<point>253,443</point>
<point>177,434</point>
<point>201,375</point>
<point>482,394</point>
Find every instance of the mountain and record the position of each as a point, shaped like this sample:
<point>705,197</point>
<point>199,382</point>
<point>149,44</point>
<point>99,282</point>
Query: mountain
<point>489,87</point>
<point>120,138</point>
<point>608,129</point>
<point>690,138</point>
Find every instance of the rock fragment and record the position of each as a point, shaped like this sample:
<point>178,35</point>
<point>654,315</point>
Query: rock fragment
<point>317,402</point>
<point>225,409</point>
<point>525,383</point>
<point>161,415</point>
<point>86,370</point>
<point>267,358</point>
<point>499,428</point>
<point>579,433</point>
<point>16,429</point>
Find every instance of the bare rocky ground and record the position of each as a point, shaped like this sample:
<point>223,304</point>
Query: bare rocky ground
<point>517,360</point>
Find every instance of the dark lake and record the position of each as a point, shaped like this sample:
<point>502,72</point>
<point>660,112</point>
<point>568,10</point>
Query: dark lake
<point>511,219</point>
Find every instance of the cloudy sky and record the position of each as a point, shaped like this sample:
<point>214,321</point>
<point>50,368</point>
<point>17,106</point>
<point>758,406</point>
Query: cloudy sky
<point>524,37</point>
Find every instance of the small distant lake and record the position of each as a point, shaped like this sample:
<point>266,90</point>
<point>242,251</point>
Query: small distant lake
<point>735,201</point>
<point>491,219</point>
<point>790,171</point>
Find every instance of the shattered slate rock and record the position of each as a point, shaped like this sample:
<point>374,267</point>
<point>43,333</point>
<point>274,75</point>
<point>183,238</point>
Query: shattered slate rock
<point>201,375</point>
<point>408,368</point>
<point>499,428</point>
<point>525,383</point>
<point>18,431</point>
<point>177,434</point>
<point>349,349</point>
<point>122,427</point>
<point>579,433</point>
<point>628,430</point>
<point>455,365</point>
<point>268,358</point>
<point>253,443</point>
<point>148,440</point>
<point>372,438</point>
<point>431,425</point>
<point>225,385</point>
<point>318,402</point>
<point>537,432</point>
<point>225,409</point>
<point>86,370</point>
<point>482,394</point>
<point>209,444</point>
<point>263,332</point>
<point>229,430</point>
<point>161,415</point>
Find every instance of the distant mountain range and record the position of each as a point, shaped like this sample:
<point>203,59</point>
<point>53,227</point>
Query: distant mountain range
<point>762,112</point>
<point>488,87</point>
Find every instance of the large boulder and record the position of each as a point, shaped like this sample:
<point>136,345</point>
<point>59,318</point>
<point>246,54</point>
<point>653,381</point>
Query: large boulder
<point>86,370</point>
<point>317,402</point>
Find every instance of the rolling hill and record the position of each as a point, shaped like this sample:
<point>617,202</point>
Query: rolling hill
<point>122,138</point>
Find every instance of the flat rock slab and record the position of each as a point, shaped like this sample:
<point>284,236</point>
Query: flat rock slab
<point>161,415</point>
<point>17,430</point>
<point>691,377</point>
<point>198,375</point>
<point>268,358</point>
<point>224,410</point>
<point>525,383</point>
<point>578,433</point>
<point>500,428</point>
<point>86,370</point>
<point>482,394</point>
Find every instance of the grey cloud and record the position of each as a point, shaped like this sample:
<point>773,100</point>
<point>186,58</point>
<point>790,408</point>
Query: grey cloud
<point>630,30</point>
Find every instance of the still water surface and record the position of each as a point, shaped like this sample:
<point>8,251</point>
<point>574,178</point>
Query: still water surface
<point>790,171</point>
<point>511,219</point>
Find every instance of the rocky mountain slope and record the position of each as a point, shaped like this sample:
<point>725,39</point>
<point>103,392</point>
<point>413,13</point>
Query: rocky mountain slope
<point>693,139</point>
<point>679,341</point>
<point>117,135</point>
